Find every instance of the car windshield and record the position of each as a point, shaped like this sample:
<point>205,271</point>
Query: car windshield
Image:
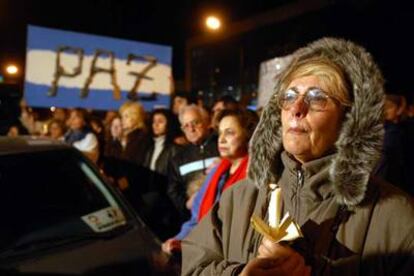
<point>53,194</point>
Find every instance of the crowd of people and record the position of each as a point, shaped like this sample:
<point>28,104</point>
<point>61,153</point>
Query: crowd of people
<point>158,159</point>
<point>196,175</point>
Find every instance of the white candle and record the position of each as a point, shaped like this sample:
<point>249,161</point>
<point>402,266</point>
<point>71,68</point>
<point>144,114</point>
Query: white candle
<point>275,206</point>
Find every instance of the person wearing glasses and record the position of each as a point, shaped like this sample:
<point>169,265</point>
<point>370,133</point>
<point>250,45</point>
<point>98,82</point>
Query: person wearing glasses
<point>311,159</point>
<point>234,131</point>
<point>192,161</point>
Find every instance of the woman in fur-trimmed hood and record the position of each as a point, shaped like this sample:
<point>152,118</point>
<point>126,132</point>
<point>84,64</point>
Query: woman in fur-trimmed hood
<point>317,143</point>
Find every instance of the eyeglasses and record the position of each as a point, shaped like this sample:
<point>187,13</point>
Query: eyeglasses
<point>315,98</point>
<point>192,124</point>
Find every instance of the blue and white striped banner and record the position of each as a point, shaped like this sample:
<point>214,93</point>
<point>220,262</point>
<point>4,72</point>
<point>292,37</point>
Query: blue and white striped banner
<point>67,69</point>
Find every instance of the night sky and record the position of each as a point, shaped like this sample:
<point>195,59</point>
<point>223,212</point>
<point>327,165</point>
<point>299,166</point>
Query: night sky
<point>383,27</point>
<point>163,22</point>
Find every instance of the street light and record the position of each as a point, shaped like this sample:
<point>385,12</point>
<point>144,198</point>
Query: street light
<point>12,69</point>
<point>213,23</point>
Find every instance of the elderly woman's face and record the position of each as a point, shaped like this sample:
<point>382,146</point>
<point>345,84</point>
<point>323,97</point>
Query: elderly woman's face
<point>232,141</point>
<point>308,134</point>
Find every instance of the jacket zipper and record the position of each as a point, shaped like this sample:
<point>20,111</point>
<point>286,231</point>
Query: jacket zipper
<point>300,180</point>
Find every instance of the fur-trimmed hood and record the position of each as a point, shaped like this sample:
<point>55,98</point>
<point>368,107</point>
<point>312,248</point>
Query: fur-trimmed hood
<point>359,144</point>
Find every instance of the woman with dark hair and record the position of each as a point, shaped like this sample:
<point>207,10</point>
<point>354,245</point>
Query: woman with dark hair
<point>161,149</point>
<point>235,127</point>
<point>162,146</point>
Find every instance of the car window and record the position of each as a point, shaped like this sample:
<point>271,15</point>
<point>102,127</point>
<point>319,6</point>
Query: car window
<point>53,193</point>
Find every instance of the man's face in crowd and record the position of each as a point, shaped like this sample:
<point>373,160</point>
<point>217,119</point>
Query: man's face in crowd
<point>194,127</point>
<point>178,103</point>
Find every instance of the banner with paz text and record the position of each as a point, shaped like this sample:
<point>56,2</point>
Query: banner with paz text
<point>68,69</point>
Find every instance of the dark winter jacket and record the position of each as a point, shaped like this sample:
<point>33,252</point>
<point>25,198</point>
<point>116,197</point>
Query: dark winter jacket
<point>169,150</point>
<point>189,164</point>
<point>127,161</point>
<point>352,224</point>
<point>137,143</point>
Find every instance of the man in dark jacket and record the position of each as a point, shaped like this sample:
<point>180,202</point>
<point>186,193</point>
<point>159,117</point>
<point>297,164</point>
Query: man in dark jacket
<point>193,160</point>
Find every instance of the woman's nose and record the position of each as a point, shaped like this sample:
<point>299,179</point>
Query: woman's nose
<point>221,139</point>
<point>299,108</point>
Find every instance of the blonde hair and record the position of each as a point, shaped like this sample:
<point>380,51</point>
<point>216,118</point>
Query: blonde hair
<point>138,110</point>
<point>330,74</point>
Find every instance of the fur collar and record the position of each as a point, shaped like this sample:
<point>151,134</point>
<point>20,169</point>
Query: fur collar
<point>360,142</point>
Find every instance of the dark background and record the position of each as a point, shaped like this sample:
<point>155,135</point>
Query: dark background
<point>157,21</point>
<point>383,27</point>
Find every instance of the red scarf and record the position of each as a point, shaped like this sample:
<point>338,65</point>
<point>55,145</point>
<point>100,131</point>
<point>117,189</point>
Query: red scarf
<point>211,192</point>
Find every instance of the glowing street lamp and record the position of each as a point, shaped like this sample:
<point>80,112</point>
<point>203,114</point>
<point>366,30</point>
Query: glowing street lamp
<point>12,69</point>
<point>213,23</point>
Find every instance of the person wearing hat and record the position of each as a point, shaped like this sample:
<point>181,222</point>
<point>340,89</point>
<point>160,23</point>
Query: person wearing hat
<point>314,150</point>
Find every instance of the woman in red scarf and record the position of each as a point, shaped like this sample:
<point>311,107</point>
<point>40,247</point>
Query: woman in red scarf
<point>235,129</point>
